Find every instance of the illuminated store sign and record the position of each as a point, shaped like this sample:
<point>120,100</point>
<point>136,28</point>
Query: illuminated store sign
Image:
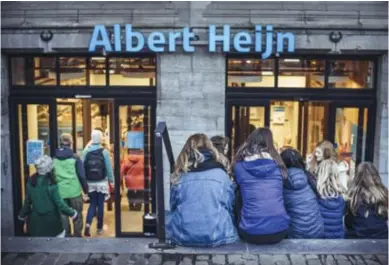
<point>262,41</point>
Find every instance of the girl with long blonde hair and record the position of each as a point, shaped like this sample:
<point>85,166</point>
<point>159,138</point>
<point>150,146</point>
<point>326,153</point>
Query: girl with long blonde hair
<point>201,197</point>
<point>331,200</point>
<point>323,150</point>
<point>367,204</point>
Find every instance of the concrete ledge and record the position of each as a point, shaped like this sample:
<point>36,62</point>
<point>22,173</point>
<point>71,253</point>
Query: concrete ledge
<point>140,246</point>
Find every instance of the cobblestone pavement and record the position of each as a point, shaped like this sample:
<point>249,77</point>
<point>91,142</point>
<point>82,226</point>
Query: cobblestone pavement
<point>178,259</point>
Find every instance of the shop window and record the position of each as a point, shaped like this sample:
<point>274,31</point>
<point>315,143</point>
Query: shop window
<point>299,73</point>
<point>284,123</point>
<point>44,71</point>
<point>97,71</point>
<point>346,135</point>
<point>18,72</point>
<point>350,74</point>
<point>72,71</point>
<point>250,73</point>
<point>132,71</point>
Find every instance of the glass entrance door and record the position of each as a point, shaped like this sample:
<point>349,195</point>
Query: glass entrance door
<point>244,120</point>
<point>33,136</point>
<point>133,127</point>
<point>350,134</point>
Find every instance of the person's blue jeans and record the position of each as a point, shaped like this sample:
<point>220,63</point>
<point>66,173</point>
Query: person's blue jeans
<point>96,202</point>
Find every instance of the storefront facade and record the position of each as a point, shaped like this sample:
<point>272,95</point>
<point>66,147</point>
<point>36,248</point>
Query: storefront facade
<point>332,86</point>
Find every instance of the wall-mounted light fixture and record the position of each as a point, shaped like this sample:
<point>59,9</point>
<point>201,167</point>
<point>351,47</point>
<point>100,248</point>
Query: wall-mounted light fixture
<point>47,35</point>
<point>335,36</point>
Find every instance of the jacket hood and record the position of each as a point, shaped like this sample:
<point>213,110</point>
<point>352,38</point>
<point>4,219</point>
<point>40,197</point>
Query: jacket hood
<point>297,179</point>
<point>64,153</point>
<point>135,158</point>
<point>333,203</point>
<point>208,163</point>
<point>259,167</point>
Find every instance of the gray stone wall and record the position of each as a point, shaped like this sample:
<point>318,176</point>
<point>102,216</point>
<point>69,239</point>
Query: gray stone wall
<point>7,223</point>
<point>381,133</point>
<point>191,97</point>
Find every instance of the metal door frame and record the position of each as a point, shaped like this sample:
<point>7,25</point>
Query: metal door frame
<point>15,152</point>
<point>129,102</point>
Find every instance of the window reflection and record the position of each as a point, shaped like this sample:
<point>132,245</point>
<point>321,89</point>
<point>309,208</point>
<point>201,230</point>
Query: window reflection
<point>301,73</point>
<point>132,71</point>
<point>44,71</point>
<point>250,73</point>
<point>18,65</point>
<point>72,71</point>
<point>350,74</point>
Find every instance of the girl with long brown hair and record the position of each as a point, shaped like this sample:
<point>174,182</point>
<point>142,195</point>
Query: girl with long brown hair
<point>367,204</point>
<point>201,197</point>
<point>260,174</point>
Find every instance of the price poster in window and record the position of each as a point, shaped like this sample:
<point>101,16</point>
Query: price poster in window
<point>278,115</point>
<point>34,151</point>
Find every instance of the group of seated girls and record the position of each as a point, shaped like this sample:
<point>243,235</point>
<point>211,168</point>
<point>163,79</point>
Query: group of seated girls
<point>264,196</point>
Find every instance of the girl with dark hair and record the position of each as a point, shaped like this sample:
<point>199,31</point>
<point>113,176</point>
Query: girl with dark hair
<point>300,199</point>
<point>367,206</point>
<point>260,173</point>
<point>43,205</point>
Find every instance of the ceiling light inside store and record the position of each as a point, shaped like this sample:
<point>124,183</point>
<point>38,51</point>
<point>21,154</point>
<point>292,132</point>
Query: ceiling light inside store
<point>267,73</point>
<point>248,61</point>
<point>291,60</point>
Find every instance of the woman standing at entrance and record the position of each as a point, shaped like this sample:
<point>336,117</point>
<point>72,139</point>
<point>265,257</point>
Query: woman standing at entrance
<point>201,197</point>
<point>98,171</point>
<point>43,204</point>
<point>260,173</point>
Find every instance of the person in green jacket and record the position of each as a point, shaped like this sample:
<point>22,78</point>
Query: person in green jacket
<point>70,177</point>
<point>42,204</point>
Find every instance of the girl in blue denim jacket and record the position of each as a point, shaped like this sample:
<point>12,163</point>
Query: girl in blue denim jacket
<point>201,197</point>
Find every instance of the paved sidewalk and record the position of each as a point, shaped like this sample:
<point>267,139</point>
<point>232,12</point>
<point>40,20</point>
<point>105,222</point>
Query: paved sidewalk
<point>135,251</point>
<point>178,259</point>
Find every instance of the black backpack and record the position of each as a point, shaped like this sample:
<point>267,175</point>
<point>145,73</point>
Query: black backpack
<point>94,165</point>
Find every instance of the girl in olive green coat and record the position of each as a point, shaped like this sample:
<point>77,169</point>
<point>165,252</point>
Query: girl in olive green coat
<point>43,205</point>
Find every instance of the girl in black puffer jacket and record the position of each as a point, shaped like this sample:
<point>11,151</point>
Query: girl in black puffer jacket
<point>367,205</point>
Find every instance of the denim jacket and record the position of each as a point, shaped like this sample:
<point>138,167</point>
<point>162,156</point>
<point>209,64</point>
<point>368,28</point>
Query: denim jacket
<point>201,207</point>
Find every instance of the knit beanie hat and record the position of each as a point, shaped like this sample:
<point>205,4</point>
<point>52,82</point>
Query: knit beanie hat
<point>96,136</point>
<point>66,139</point>
<point>44,165</point>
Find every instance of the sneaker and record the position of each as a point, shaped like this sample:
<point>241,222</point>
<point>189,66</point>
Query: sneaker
<point>87,231</point>
<point>100,231</point>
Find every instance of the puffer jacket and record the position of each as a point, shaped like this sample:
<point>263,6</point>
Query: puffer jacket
<point>332,211</point>
<point>373,226</point>
<point>302,206</point>
<point>69,173</point>
<point>201,207</point>
<point>261,186</point>
<point>132,170</point>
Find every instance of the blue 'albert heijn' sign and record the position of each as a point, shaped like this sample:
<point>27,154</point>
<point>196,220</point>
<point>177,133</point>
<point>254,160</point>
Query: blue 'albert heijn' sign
<point>261,42</point>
